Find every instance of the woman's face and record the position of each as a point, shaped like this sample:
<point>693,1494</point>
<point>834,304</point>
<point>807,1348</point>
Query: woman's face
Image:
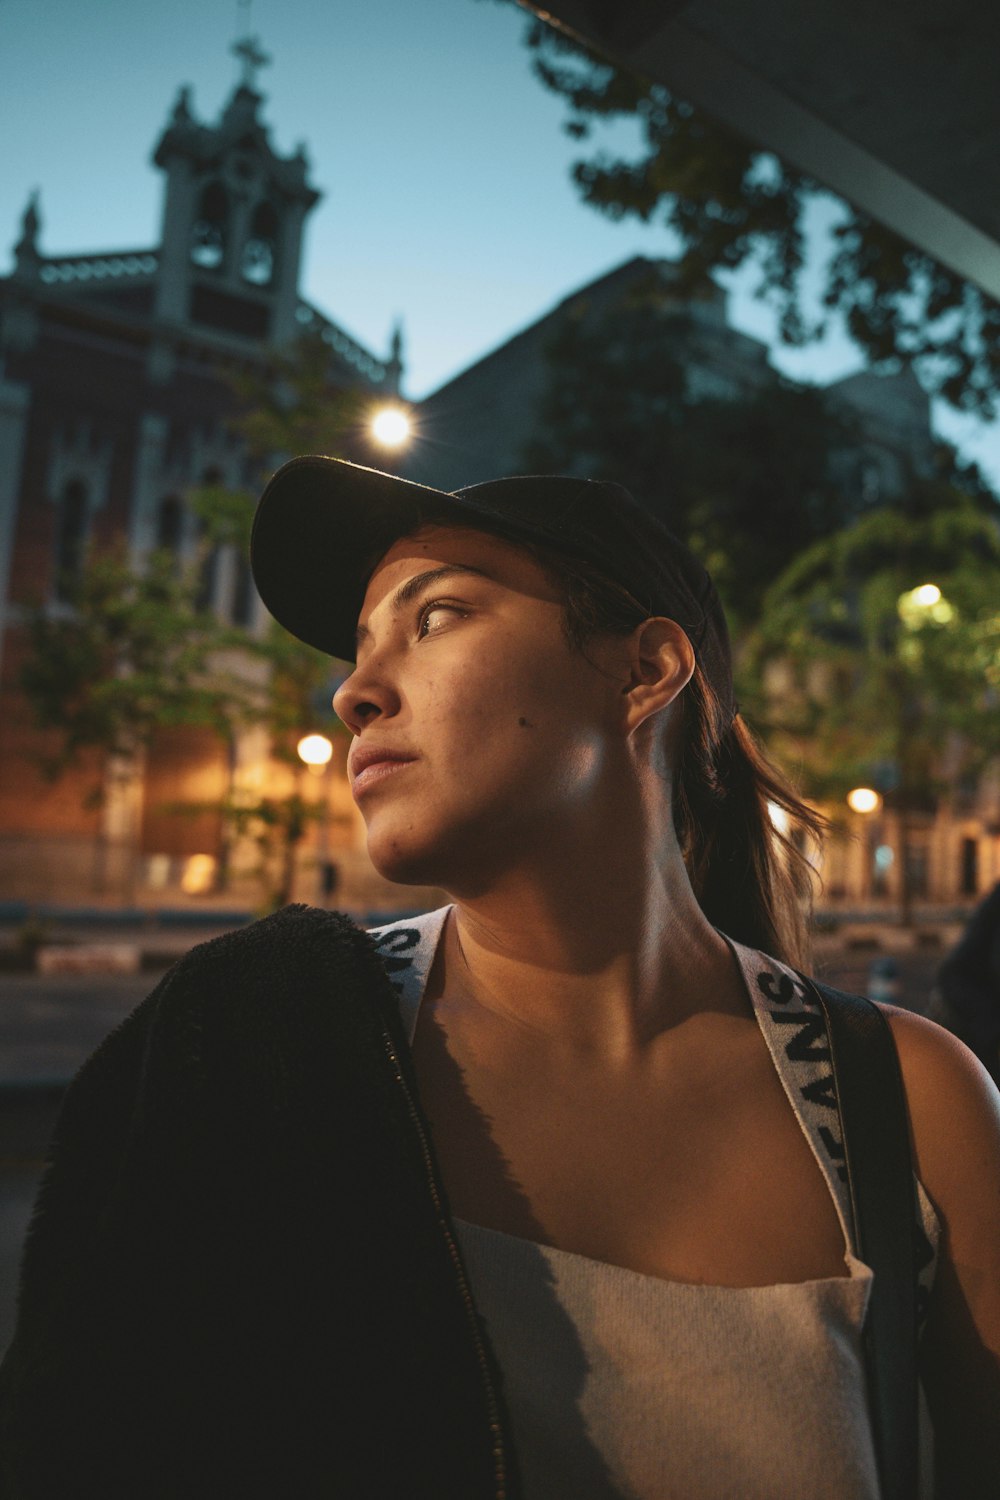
<point>512,734</point>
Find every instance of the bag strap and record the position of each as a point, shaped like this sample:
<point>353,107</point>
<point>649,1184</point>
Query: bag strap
<point>873,1118</point>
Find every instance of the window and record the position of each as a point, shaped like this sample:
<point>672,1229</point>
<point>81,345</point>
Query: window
<point>969,867</point>
<point>259,252</point>
<point>242,608</point>
<point>169,525</point>
<point>208,574</point>
<point>208,236</point>
<point>71,536</point>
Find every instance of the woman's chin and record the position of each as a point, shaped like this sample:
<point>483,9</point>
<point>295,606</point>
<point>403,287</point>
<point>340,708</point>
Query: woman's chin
<point>444,858</point>
<point>405,861</point>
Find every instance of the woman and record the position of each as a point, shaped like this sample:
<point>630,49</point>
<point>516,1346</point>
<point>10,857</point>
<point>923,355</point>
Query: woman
<point>553,1209</point>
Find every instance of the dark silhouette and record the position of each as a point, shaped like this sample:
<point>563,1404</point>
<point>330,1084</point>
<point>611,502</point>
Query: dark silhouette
<point>966,997</point>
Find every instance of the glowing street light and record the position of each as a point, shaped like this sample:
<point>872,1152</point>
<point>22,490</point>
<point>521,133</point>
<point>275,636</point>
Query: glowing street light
<point>315,751</point>
<point>925,602</point>
<point>863,800</point>
<point>391,427</point>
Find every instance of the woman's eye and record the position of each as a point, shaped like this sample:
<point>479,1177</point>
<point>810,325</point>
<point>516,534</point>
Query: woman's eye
<point>432,607</point>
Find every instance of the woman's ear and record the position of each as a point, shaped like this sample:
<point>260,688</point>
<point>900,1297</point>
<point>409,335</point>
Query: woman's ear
<point>661,664</point>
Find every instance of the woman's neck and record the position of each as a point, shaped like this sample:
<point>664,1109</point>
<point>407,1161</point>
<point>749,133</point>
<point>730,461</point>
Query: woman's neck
<point>601,962</point>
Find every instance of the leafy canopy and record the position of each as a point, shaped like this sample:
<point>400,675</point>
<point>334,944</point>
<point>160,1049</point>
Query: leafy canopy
<point>865,670</point>
<point>729,203</point>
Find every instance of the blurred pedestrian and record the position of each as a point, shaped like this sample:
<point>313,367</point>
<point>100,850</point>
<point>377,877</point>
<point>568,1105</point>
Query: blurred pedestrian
<point>966,994</point>
<point>884,981</point>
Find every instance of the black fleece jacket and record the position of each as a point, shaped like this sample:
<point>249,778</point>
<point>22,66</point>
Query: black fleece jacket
<point>241,1279</point>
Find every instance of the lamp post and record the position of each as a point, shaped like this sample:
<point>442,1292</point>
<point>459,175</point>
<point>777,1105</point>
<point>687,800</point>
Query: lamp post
<point>316,751</point>
<point>918,608</point>
<point>864,800</point>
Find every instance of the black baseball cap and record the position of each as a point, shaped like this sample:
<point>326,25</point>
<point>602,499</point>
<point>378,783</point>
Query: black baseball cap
<point>322,524</point>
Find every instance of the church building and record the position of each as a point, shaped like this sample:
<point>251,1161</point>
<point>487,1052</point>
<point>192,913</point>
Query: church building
<point>115,371</point>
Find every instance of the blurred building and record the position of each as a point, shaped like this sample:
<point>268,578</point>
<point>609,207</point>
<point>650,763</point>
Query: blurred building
<point>482,421</point>
<point>114,398</point>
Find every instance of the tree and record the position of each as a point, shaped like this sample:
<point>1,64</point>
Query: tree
<point>747,483</point>
<point>139,650</point>
<point>729,203</point>
<point>131,654</point>
<point>877,659</point>
<point>294,404</point>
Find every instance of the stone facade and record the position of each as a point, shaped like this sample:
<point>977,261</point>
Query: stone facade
<point>115,394</point>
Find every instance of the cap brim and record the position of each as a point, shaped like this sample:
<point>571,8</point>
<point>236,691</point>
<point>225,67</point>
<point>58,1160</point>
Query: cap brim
<point>320,528</point>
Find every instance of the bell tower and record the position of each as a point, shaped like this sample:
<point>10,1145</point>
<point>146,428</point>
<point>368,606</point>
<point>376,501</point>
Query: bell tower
<point>233,217</point>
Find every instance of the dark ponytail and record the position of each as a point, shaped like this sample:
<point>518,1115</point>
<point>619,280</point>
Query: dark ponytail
<point>743,830</point>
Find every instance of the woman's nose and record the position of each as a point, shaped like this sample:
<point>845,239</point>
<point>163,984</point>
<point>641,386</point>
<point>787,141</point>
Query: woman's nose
<point>357,701</point>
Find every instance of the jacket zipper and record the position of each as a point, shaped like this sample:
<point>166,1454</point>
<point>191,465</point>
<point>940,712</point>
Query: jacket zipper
<point>492,1404</point>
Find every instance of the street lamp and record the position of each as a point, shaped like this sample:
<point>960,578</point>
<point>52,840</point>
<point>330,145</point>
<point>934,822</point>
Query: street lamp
<point>316,751</point>
<point>864,801</point>
<point>925,602</point>
<point>391,426</point>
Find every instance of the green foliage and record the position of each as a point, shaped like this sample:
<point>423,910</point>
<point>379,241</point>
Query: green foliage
<point>274,825</point>
<point>863,679</point>
<point>728,203</point>
<point>225,515</point>
<point>131,655</point>
<point>294,407</point>
<point>137,650</point>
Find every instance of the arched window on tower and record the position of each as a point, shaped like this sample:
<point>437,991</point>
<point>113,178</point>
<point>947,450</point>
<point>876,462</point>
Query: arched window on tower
<point>260,251</point>
<point>71,537</point>
<point>211,226</point>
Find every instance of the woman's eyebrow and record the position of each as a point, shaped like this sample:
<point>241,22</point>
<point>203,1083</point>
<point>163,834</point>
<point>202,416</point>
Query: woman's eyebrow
<point>409,590</point>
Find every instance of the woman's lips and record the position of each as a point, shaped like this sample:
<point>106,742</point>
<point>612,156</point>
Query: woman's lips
<point>377,772</point>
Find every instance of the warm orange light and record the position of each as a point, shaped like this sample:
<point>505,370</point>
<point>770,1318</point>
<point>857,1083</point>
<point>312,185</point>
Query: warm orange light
<point>863,800</point>
<point>315,749</point>
<point>198,876</point>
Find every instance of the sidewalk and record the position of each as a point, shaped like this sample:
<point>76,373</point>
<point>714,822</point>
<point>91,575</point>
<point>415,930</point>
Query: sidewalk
<point>171,929</point>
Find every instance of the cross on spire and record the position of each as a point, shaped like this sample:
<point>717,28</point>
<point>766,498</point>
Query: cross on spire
<point>249,51</point>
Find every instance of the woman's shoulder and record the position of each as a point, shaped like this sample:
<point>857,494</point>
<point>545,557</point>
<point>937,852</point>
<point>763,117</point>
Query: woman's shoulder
<point>273,953</point>
<point>954,1108</point>
<point>236,985</point>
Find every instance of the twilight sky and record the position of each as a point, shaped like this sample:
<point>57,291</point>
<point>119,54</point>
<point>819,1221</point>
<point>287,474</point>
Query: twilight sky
<point>445,173</point>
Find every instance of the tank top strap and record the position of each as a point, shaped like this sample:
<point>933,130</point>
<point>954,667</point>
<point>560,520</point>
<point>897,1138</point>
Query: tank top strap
<point>790,1021</point>
<point>793,1026</point>
<point>794,1029</point>
<point>407,947</point>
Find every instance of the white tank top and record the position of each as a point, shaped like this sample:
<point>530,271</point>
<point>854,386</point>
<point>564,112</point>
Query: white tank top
<point>624,1386</point>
